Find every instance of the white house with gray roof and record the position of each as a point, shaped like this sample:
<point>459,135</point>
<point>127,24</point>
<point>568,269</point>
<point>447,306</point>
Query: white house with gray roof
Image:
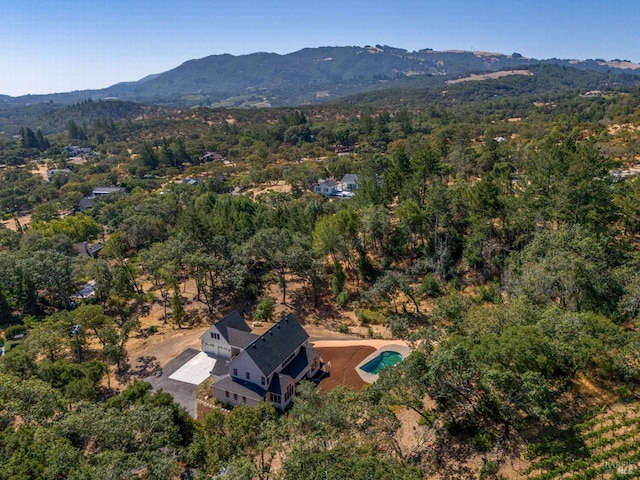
<point>253,368</point>
<point>349,183</point>
<point>327,188</point>
<point>228,337</point>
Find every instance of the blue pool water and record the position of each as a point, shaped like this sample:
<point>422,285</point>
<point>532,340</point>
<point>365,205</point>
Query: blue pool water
<point>383,360</point>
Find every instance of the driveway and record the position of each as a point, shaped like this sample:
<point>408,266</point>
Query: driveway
<point>183,393</point>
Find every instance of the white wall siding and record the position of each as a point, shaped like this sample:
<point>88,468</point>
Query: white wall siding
<point>243,363</point>
<point>217,347</point>
<point>232,399</point>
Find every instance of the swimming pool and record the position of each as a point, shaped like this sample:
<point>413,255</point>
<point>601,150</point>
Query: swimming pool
<point>384,359</point>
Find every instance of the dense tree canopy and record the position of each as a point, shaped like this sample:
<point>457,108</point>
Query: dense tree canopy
<point>496,232</point>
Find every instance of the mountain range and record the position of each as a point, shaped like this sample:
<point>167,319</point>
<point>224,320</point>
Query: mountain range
<point>311,75</point>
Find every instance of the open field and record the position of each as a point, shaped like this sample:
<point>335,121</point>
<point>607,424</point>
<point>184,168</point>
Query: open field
<point>488,76</point>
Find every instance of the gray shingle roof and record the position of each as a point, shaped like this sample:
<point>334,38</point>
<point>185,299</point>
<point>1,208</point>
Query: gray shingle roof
<point>329,183</point>
<point>280,383</point>
<point>271,349</point>
<point>240,387</point>
<point>350,178</point>
<point>240,338</point>
<point>106,190</point>
<point>232,326</point>
<point>220,368</point>
<point>300,364</point>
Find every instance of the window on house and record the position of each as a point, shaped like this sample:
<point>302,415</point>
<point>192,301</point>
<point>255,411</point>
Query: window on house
<point>263,380</point>
<point>235,396</point>
<point>226,394</point>
<point>244,399</point>
<point>215,336</point>
<point>235,372</point>
<point>247,375</point>
<point>288,359</point>
<point>289,393</point>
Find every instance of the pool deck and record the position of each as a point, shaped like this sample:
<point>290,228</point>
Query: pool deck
<point>391,347</point>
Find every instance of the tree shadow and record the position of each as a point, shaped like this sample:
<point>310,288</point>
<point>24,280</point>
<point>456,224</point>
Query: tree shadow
<point>302,302</point>
<point>143,367</point>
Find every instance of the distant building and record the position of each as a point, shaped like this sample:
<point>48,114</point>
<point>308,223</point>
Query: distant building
<point>87,202</point>
<point>211,157</point>
<point>56,171</point>
<point>344,149</point>
<point>86,291</point>
<point>88,250</point>
<point>327,188</point>
<point>76,151</point>
<point>343,189</point>
<point>97,191</point>
<point>191,181</point>
<point>349,182</point>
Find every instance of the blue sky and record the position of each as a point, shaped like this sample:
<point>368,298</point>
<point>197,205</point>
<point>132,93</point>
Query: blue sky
<point>51,46</point>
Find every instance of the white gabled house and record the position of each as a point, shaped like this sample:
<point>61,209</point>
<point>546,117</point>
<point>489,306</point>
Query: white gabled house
<point>327,188</point>
<point>254,368</point>
<point>349,182</point>
<point>228,337</point>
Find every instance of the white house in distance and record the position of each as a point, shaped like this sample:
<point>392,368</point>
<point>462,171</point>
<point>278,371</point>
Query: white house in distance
<point>345,188</point>
<point>252,368</point>
<point>327,188</point>
<point>349,182</point>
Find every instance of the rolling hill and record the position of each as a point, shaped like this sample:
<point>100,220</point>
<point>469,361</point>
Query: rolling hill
<point>311,75</point>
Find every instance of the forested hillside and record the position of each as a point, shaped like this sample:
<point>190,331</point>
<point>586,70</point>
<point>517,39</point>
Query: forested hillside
<point>494,227</point>
<point>315,75</point>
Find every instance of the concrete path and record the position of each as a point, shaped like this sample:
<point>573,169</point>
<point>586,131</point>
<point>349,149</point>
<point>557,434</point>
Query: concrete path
<point>348,342</point>
<point>196,370</point>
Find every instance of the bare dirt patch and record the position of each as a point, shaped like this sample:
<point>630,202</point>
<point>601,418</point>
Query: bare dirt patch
<point>12,223</point>
<point>487,76</point>
<point>341,363</point>
<point>41,170</point>
<point>281,187</point>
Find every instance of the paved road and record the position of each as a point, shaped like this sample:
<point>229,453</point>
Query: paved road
<point>183,393</point>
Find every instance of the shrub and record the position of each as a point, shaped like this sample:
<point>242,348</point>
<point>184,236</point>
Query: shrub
<point>343,298</point>
<point>367,317</point>
<point>264,310</point>
<point>430,286</point>
<point>488,293</point>
<point>343,328</point>
<point>14,330</point>
<point>490,470</point>
<point>250,291</point>
<point>623,392</point>
<point>452,307</point>
<point>337,282</point>
<point>482,441</point>
<point>399,325</point>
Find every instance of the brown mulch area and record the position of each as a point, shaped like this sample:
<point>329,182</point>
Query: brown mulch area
<point>343,362</point>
